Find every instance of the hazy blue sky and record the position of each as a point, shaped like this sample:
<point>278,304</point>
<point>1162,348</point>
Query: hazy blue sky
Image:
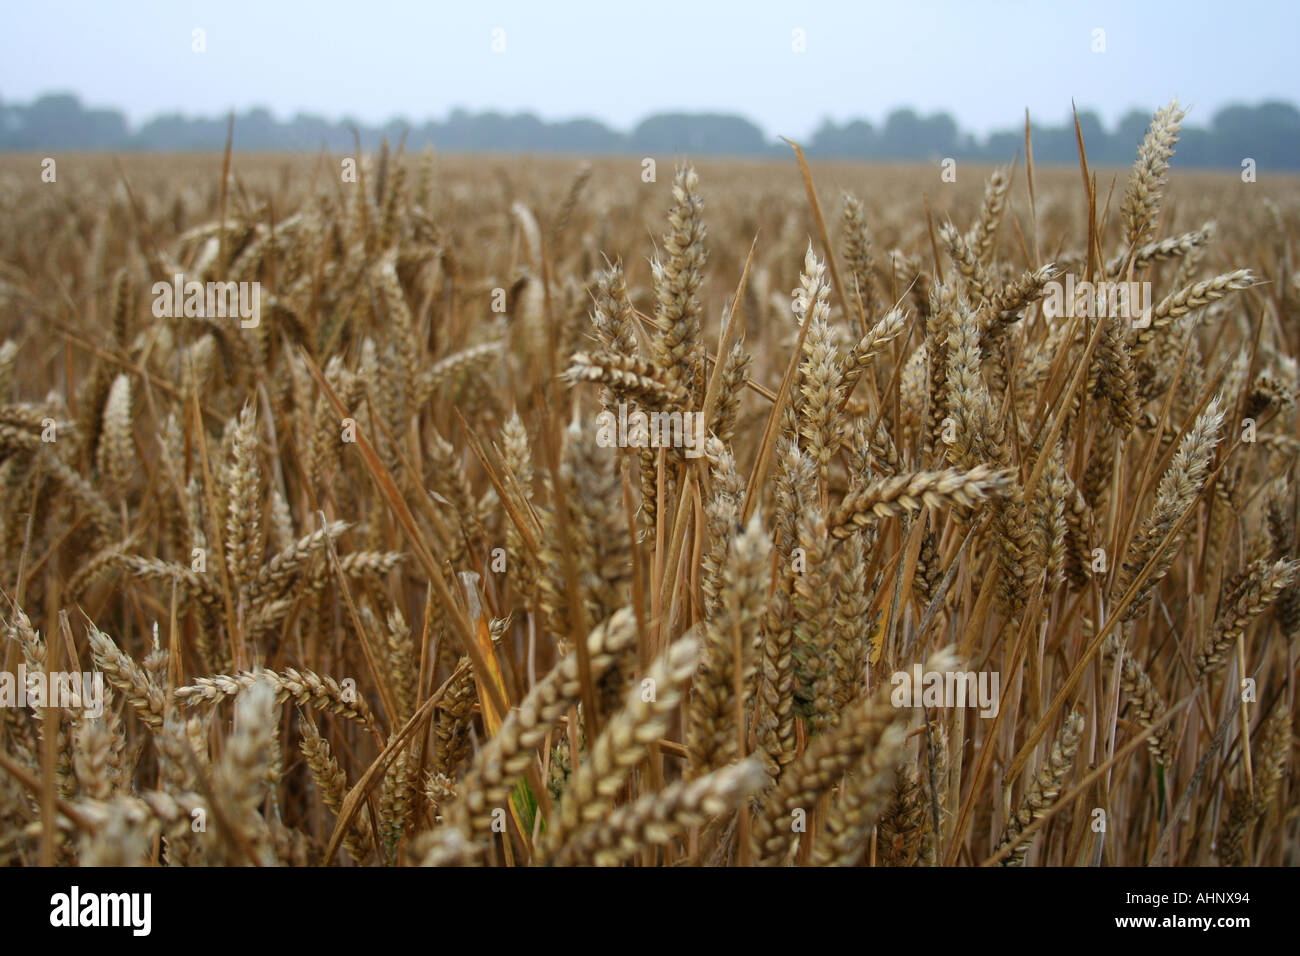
<point>617,62</point>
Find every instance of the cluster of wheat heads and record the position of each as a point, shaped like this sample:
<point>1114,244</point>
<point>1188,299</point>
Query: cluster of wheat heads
<point>365,587</point>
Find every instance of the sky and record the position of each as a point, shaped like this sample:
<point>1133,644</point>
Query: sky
<point>371,60</point>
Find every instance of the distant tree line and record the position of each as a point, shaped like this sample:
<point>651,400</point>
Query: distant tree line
<point>1268,133</point>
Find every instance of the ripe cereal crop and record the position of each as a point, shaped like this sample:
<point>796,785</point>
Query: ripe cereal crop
<point>375,506</point>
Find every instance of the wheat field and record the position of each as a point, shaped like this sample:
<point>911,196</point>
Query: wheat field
<point>366,582</point>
